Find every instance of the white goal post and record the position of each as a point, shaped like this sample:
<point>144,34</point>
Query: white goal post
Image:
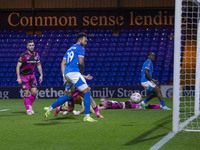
<point>186,85</point>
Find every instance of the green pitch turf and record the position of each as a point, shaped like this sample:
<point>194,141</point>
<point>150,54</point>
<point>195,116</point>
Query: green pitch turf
<point>119,130</point>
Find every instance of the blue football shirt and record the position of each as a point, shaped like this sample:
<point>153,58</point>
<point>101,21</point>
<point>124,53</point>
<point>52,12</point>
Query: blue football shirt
<point>71,57</point>
<point>149,65</point>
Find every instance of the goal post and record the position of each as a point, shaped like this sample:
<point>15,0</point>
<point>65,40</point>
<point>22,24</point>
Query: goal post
<point>186,84</point>
<point>197,77</point>
<point>176,76</point>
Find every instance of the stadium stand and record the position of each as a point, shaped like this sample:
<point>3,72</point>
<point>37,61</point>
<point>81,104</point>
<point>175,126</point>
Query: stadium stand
<point>112,59</point>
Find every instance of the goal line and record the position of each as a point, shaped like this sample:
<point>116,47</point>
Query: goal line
<point>164,140</point>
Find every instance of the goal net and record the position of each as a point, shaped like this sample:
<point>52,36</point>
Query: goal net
<point>186,66</point>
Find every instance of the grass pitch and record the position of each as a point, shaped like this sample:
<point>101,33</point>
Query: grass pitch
<point>119,130</point>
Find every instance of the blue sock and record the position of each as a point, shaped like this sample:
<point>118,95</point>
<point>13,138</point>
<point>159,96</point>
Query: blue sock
<point>162,102</point>
<point>87,102</point>
<point>61,100</point>
<point>146,100</point>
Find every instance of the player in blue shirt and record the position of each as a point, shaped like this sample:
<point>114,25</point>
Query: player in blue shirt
<point>149,83</point>
<point>72,68</point>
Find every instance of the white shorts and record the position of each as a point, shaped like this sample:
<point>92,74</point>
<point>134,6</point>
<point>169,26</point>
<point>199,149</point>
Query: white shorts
<point>148,85</point>
<point>75,79</point>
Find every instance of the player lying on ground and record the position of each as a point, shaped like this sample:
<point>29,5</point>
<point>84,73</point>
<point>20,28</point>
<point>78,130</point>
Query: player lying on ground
<point>67,107</point>
<point>110,104</point>
<point>77,98</point>
<point>149,83</point>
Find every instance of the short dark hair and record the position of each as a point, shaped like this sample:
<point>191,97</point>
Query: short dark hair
<point>149,53</point>
<point>30,41</point>
<point>103,98</point>
<point>80,35</point>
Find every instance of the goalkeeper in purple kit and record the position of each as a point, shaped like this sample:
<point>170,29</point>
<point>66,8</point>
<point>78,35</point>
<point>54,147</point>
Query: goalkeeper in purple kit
<point>111,104</point>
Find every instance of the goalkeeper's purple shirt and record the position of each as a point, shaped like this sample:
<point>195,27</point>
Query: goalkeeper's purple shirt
<point>110,104</point>
<point>114,104</point>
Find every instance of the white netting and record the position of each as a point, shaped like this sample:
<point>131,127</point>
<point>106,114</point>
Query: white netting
<point>188,64</point>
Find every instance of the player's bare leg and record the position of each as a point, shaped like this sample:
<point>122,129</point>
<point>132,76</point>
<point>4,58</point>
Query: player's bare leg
<point>157,92</point>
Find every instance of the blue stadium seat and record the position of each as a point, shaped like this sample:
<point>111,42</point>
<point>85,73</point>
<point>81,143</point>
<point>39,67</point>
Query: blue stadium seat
<point>108,57</point>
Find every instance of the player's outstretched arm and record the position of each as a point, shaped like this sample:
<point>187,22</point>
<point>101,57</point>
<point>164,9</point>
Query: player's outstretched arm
<point>65,108</point>
<point>18,72</point>
<point>101,107</point>
<point>39,66</point>
<point>83,109</point>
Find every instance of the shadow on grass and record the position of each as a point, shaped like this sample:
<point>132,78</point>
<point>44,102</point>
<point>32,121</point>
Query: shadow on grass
<point>12,114</point>
<point>55,121</point>
<point>47,123</point>
<point>142,137</point>
<point>7,115</point>
<point>19,112</point>
<point>63,118</point>
<point>127,125</point>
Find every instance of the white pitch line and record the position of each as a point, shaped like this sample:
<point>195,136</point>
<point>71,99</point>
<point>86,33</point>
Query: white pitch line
<point>4,109</point>
<point>164,140</point>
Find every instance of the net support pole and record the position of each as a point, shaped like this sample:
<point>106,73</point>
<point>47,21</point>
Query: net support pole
<point>197,74</point>
<point>177,53</point>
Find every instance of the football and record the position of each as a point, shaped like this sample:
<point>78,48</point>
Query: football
<point>136,98</point>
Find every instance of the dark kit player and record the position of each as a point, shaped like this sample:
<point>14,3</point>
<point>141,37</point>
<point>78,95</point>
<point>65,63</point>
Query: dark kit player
<point>26,77</point>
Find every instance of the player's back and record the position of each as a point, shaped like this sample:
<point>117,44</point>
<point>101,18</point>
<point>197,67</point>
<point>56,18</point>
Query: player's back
<point>71,57</point>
